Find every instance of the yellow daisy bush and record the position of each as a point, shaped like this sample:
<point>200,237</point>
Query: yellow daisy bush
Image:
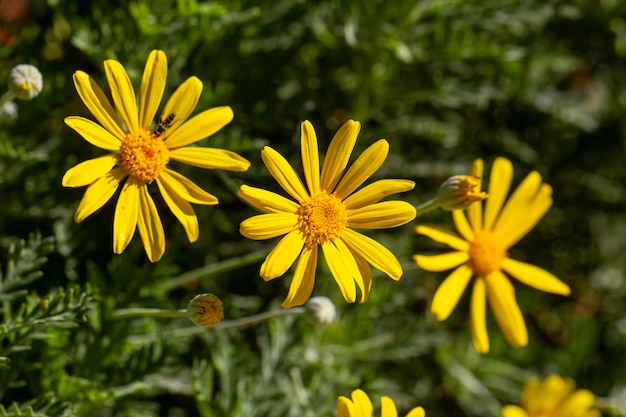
<point>361,406</point>
<point>324,214</point>
<point>481,251</point>
<point>553,397</point>
<point>141,152</point>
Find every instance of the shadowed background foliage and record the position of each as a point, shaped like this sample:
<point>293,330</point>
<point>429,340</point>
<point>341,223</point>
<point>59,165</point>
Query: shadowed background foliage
<point>444,81</point>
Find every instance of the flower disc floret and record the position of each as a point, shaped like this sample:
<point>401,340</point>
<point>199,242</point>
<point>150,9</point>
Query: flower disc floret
<point>486,253</point>
<point>144,156</point>
<point>321,218</point>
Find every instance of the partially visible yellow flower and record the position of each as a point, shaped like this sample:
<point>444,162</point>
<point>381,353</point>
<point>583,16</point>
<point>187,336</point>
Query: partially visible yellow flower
<point>140,153</point>
<point>361,406</point>
<point>481,251</point>
<point>459,191</point>
<point>553,397</point>
<point>205,310</point>
<point>324,214</point>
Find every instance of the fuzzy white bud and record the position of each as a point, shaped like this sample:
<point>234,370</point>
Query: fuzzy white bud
<point>25,82</point>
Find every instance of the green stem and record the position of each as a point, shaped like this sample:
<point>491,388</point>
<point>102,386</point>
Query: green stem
<point>196,330</point>
<point>259,318</point>
<point>427,206</point>
<point>209,271</point>
<point>8,96</point>
<point>125,313</point>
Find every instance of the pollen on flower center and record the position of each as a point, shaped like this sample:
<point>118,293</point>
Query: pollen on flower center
<point>321,218</point>
<point>486,253</point>
<point>143,155</point>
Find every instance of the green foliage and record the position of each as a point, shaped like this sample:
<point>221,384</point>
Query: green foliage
<point>445,81</point>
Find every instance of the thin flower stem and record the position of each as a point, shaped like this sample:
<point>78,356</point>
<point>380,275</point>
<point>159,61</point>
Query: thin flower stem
<point>125,313</point>
<point>227,324</point>
<point>209,271</point>
<point>427,206</point>
<point>259,318</point>
<point>8,96</point>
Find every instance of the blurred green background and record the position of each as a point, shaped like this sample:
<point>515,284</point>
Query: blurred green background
<point>541,82</point>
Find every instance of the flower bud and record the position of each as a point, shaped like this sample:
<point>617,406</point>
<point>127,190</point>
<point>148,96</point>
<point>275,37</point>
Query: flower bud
<point>8,112</point>
<point>25,82</point>
<point>459,191</point>
<point>321,310</point>
<point>205,310</point>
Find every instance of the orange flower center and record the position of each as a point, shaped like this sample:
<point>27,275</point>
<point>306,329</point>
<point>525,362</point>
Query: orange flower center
<point>486,253</point>
<point>321,218</point>
<point>144,155</point>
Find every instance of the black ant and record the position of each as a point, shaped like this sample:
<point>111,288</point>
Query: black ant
<point>163,125</point>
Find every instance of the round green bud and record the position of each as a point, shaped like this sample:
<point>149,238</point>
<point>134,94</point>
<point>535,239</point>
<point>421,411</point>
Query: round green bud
<point>205,310</point>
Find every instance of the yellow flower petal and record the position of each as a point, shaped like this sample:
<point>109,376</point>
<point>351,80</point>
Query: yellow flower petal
<point>93,133</point>
<point>513,411</point>
<point>388,407</point>
<point>210,158</point>
<point>443,262</point>
<point>381,215</point>
<point>349,261</point>
<point>182,103</point>
<point>517,205</point>
<point>284,174</point>
<point>373,252</point>
<point>376,191</point>
<point>126,214</point>
<point>282,256</point>
<point>185,188</point>
<point>478,317</point>
<point>267,200</point>
<point>475,211</point>
<point>97,103</point>
<point>87,172</point>
<point>310,157</point>
<point>366,164</point>
<point>366,274</point>
<point>303,279</point>
<point>363,403</point>
<point>442,235</point>
<point>152,86</point>
<point>544,397</point>
<point>417,412</point>
<point>181,209</point>
<point>499,185</point>
<point>267,226</point>
<point>462,225</point>
<point>123,93</point>
<point>576,404</point>
<point>501,295</point>
<point>98,193</point>
<point>341,272</point>
<point>535,277</point>
<point>199,127</point>
<point>346,408</point>
<point>338,154</point>
<point>150,227</point>
<point>525,217</point>
<point>449,292</point>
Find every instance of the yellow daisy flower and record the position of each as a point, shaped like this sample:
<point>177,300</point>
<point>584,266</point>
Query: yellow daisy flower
<point>141,153</point>
<point>481,251</point>
<point>325,214</point>
<point>361,406</point>
<point>553,397</point>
